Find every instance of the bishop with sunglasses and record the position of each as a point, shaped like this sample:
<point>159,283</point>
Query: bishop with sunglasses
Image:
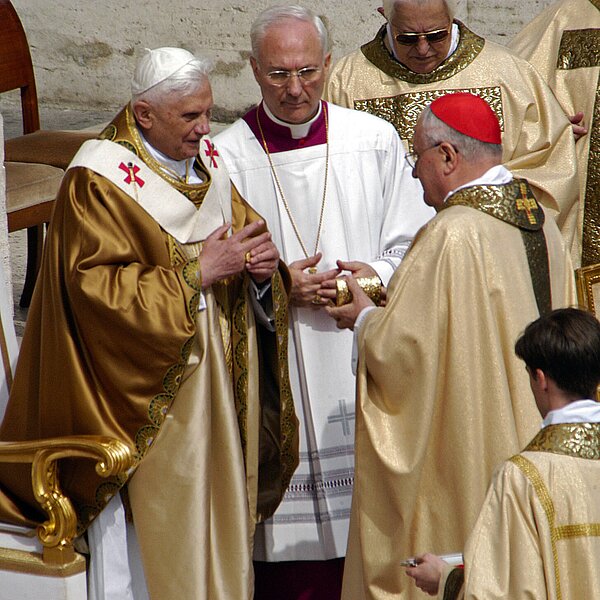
<point>422,52</point>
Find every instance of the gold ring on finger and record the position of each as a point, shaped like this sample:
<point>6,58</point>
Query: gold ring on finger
<point>247,256</point>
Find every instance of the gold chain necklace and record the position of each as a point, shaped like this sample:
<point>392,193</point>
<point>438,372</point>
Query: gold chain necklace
<point>278,184</point>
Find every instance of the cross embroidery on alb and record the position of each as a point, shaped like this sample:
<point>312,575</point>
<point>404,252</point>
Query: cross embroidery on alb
<point>344,417</point>
<point>527,204</point>
<point>211,152</point>
<point>132,171</point>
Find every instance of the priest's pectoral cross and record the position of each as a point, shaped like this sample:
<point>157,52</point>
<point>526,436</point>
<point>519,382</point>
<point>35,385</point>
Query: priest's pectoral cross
<point>344,417</point>
<point>527,204</point>
<point>580,48</point>
<point>211,152</point>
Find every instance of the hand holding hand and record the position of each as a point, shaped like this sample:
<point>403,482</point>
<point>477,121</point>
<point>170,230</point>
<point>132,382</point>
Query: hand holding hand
<point>222,257</point>
<point>346,315</point>
<point>305,285</point>
<point>264,260</point>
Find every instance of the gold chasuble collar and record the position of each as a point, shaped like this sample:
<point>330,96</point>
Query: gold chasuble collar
<point>515,204</point>
<point>578,440</point>
<point>469,46</point>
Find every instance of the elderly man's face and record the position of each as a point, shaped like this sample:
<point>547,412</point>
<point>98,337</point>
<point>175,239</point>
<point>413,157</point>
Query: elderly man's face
<point>422,56</point>
<point>178,122</point>
<point>429,168</point>
<point>291,46</point>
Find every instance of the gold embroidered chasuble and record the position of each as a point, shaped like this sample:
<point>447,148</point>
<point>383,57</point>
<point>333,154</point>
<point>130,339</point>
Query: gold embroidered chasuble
<point>441,398</point>
<point>115,344</point>
<point>563,44</point>
<point>536,136</point>
<point>538,533</point>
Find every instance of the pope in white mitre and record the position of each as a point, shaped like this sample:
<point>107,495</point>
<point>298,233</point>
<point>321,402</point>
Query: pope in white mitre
<point>156,281</point>
<point>563,44</point>
<point>422,53</point>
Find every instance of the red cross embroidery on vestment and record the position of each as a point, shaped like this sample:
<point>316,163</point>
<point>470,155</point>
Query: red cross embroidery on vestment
<point>132,171</point>
<point>211,153</point>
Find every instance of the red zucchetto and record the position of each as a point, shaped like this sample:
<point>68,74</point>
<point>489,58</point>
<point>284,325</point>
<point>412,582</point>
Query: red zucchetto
<point>469,115</point>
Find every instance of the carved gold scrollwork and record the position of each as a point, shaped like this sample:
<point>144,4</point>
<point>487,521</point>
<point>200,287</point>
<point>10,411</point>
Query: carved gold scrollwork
<point>112,457</point>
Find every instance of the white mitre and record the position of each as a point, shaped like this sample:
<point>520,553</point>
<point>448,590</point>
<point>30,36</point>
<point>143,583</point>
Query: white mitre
<point>156,66</point>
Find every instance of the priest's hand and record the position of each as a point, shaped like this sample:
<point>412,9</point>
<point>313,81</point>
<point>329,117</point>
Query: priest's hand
<point>222,257</point>
<point>263,261</point>
<point>578,125</point>
<point>346,315</point>
<point>356,268</point>
<point>305,285</point>
<point>428,573</point>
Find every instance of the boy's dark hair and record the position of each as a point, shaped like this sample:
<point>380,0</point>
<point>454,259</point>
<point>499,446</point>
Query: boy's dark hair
<point>565,345</point>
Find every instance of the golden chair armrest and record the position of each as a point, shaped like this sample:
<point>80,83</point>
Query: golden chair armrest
<point>588,288</point>
<point>112,457</point>
<point>588,293</point>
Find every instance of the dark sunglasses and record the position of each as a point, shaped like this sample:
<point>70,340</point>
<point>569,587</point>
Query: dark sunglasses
<point>432,37</point>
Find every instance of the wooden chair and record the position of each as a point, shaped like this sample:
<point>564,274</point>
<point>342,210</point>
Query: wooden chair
<point>36,160</point>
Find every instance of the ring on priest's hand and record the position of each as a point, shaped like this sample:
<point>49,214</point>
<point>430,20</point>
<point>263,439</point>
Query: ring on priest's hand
<point>247,256</point>
<point>316,299</point>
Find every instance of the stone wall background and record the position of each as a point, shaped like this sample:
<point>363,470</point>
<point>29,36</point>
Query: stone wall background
<point>84,51</point>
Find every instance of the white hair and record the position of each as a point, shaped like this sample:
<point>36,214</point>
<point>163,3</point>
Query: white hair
<point>389,6</point>
<point>277,14</point>
<point>185,80</point>
<point>435,131</point>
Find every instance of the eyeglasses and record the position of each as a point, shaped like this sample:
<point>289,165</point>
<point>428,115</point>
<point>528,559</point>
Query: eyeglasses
<point>412,158</point>
<point>432,37</point>
<point>305,75</point>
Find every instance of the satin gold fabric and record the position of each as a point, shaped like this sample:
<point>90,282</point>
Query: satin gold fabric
<point>441,397</point>
<point>538,533</point>
<point>563,44</point>
<point>115,345</point>
<point>536,136</point>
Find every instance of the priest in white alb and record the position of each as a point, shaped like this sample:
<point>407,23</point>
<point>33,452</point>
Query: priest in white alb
<point>337,195</point>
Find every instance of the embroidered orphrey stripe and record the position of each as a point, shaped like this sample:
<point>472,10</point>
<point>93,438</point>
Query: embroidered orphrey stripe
<point>591,212</point>
<point>530,471</point>
<point>287,419</point>
<point>539,268</point>
<point>240,367</point>
<point>578,530</point>
<point>454,583</point>
<point>403,110</point>
<point>579,48</point>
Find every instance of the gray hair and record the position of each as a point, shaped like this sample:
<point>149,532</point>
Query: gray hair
<point>277,14</point>
<point>389,6</point>
<point>185,80</point>
<point>436,131</point>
